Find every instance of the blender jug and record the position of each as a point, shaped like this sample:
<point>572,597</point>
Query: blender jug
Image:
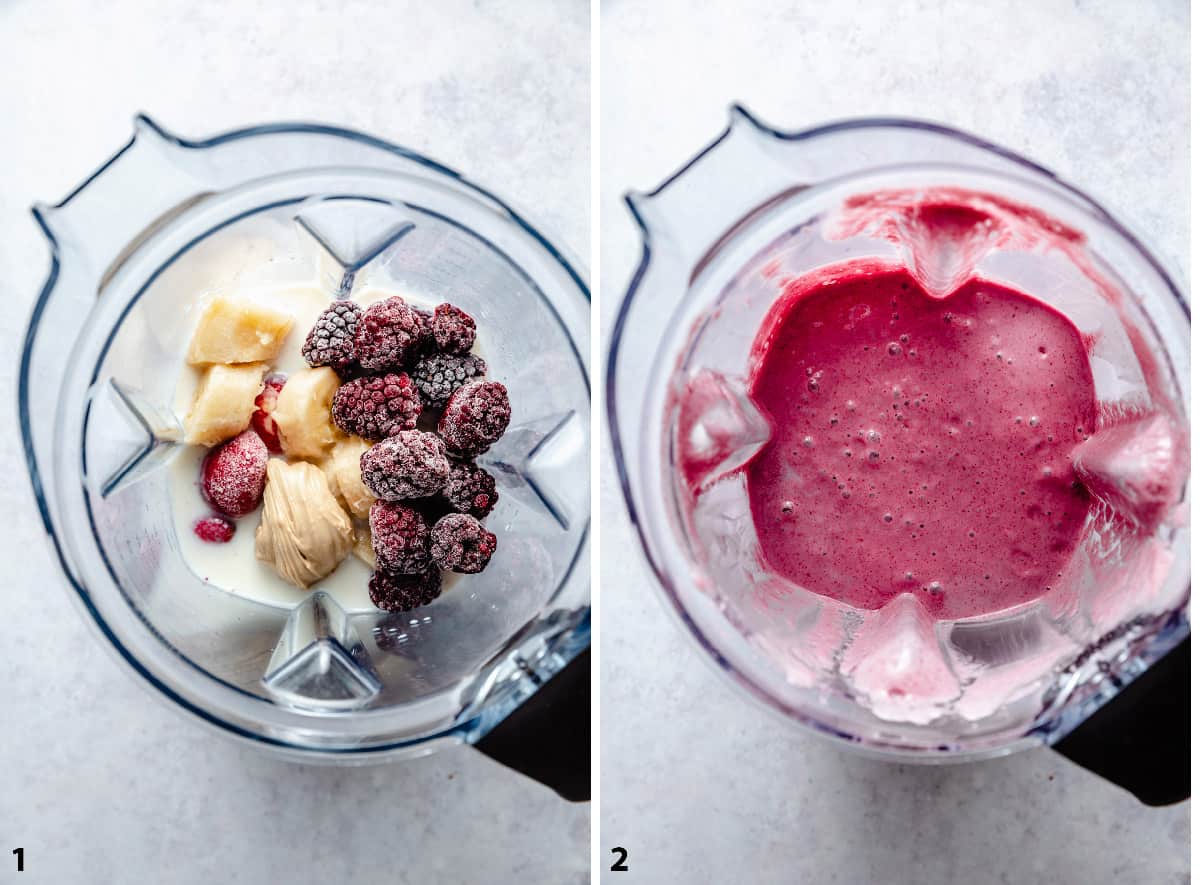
<point>722,238</point>
<point>166,219</point>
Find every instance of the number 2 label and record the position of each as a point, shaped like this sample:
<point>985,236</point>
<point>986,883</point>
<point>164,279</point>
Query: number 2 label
<point>619,864</point>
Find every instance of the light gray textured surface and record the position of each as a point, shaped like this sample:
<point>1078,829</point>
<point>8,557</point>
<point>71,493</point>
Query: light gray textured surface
<point>100,782</point>
<point>699,785</point>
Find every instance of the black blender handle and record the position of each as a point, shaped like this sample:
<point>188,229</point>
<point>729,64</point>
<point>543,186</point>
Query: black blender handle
<point>1140,740</point>
<point>548,738</point>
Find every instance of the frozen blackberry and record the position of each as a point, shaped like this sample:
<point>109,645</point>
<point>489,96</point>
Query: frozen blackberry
<point>330,342</point>
<point>440,375</point>
<point>400,538</point>
<point>470,489</point>
<point>432,508</point>
<point>453,329</point>
<point>426,345</point>
<point>401,593</point>
<point>476,415</point>
<point>409,464</point>
<point>389,335</point>
<point>459,543</point>
<point>377,406</point>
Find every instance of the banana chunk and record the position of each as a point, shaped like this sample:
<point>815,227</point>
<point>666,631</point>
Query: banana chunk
<point>224,403</point>
<point>302,413</point>
<point>363,548</point>
<point>345,476</point>
<point>234,330</point>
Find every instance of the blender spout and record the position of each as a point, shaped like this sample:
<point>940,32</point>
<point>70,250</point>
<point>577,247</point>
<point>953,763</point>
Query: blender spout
<point>110,213</point>
<point>735,178</point>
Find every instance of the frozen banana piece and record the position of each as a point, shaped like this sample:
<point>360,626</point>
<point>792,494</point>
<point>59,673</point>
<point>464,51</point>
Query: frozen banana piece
<point>235,330</point>
<point>362,546</point>
<point>345,476</point>
<point>302,413</point>
<point>224,403</point>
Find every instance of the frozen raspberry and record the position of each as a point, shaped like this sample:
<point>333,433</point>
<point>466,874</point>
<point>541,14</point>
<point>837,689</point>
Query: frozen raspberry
<point>264,404</point>
<point>400,538</point>
<point>330,342</point>
<point>389,335</point>
<point>409,464</point>
<point>459,543</point>
<point>377,406</point>
<point>214,529</point>
<point>470,489</point>
<point>401,593</point>
<point>233,475</point>
<point>453,329</point>
<point>476,416</point>
<point>440,375</point>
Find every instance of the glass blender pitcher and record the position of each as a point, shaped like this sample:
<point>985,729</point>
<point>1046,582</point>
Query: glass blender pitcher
<point>721,238</point>
<point>165,219</point>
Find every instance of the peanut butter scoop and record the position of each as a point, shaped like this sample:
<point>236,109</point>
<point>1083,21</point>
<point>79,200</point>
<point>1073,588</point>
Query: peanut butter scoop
<point>304,533</point>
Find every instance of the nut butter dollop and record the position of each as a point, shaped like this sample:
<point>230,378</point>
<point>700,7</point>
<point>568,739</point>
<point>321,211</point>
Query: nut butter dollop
<point>304,533</point>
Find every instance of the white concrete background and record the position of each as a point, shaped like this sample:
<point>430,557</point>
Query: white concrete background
<point>699,785</point>
<point>100,782</point>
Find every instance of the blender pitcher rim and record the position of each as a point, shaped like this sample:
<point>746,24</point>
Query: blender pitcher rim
<point>666,592</point>
<point>738,111</point>
<point>143,120</point>
<point>463,727</point>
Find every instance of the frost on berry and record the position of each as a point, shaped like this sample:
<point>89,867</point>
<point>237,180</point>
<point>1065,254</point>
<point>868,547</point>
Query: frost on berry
<point>460,543</point>
<point>262,420</point>
<point>399,537</point>
<point>470,489</point>
<point>453,329</point>
<point>408,464</point>
<point>390,334</point>
<point>214,529</point>
<point>330,342</point>
<point>426,345</point>
<point>475,417</point>
<point>438,376</point>
<point>377,406</point>
<point>233,475</point>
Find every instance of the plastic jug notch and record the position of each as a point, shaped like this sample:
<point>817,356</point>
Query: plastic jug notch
<point>141,188</point>
<point>699,208</point>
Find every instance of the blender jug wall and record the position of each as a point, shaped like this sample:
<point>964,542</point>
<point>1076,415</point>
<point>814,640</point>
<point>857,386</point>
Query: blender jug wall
<point>759,209</point>
<point>166,220</point>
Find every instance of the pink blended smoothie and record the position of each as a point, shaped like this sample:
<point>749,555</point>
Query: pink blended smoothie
<point>919,444</point>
